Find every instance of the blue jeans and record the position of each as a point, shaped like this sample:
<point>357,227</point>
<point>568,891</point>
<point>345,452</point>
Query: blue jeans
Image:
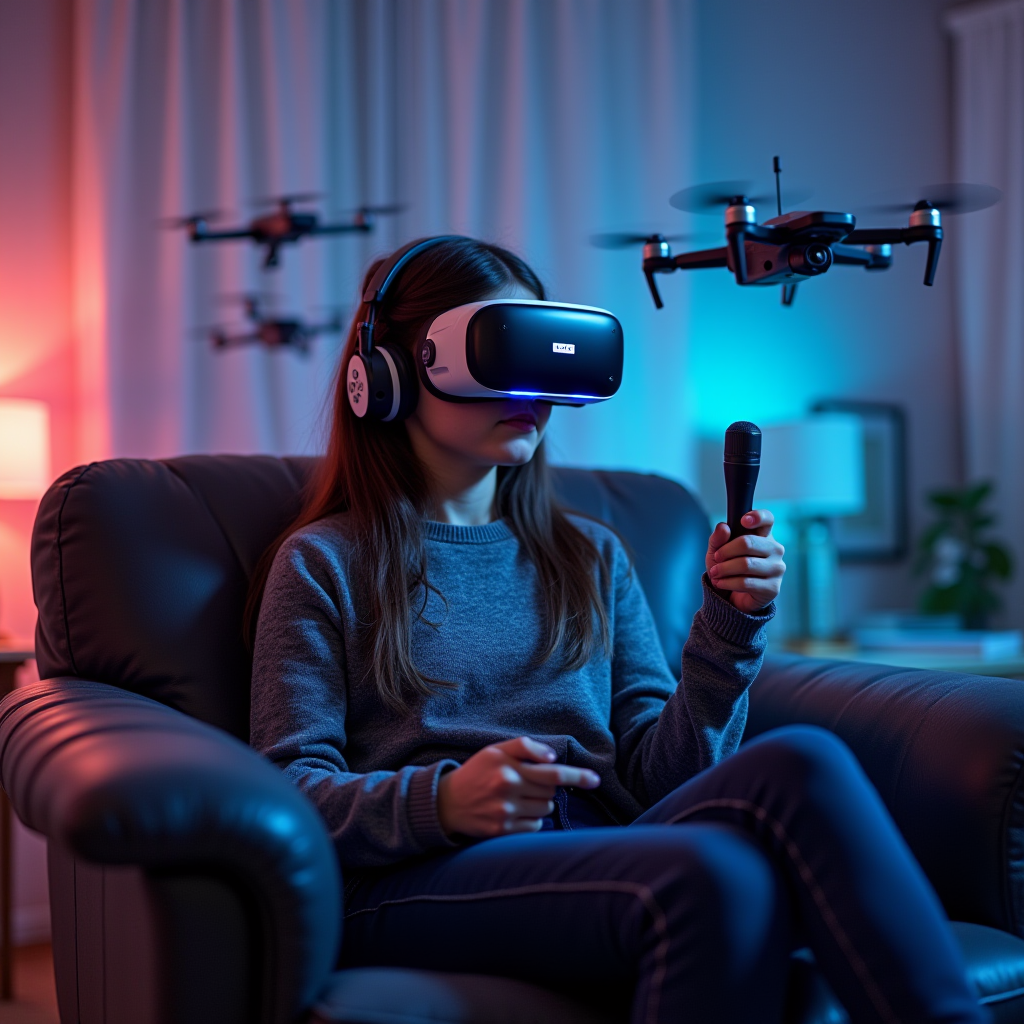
<point>785,843</point>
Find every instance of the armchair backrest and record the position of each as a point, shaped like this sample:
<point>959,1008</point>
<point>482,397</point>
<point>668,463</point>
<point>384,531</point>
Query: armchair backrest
<point>140,568</point>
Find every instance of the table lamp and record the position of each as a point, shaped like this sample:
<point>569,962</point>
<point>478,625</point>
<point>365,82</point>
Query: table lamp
<point>24,449</point>
<point>812,470</point>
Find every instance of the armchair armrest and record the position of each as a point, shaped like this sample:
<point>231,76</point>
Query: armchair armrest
<point>944,750</point>
<point>119,779</point>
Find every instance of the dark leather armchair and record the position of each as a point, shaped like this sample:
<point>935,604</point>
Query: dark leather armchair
<point>189,882</point>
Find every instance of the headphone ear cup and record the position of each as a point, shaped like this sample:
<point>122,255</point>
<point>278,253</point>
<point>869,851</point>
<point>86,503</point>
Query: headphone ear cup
<point>358,385</point>
<point>408,380</point>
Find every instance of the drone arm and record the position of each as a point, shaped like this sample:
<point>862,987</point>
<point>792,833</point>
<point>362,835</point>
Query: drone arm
<point>201,234</point>
<point>880,236</point>
<point>894,236</point>
<point>701,259</point>
<point>852,256</point>
<point>930,233</point>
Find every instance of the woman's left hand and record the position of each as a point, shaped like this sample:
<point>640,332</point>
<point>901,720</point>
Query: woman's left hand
<point>749,567</point>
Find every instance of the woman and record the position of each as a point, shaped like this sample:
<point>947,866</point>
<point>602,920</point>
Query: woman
<point>468,684</point>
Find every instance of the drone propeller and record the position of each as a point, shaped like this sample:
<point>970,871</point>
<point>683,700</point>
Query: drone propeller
<point>714,195</point>
<point>625,240</point>
<point>951,197</point>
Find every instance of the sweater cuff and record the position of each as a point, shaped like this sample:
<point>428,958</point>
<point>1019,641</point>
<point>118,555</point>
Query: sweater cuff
<point>728,622</point>
<point>422,803</point>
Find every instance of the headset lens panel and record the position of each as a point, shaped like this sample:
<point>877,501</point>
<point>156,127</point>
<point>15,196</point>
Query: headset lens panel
<point>545,350</point>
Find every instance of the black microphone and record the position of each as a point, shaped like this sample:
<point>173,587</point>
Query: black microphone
<point>741,463</point>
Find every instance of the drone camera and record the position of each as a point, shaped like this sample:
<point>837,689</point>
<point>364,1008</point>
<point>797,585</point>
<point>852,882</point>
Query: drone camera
<point>810,260</point>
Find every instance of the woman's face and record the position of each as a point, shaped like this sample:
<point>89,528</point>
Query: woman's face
<point>504,432</point>
<point>481,434</point>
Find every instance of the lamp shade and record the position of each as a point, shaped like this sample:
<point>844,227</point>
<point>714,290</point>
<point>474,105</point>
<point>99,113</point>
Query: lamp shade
<point>814,466</point>
<point>24,448</point>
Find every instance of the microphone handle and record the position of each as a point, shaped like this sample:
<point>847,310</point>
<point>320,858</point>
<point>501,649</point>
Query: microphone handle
<point>739,489</point>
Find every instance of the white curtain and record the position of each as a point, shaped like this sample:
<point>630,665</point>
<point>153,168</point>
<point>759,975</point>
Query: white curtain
<point>989,140</point>
<point>532,123</point>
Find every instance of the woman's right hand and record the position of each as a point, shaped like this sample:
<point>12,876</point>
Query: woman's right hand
<point>504,788</point>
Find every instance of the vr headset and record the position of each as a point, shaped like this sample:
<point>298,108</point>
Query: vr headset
<point>522,348</point>
<point>496,349</point>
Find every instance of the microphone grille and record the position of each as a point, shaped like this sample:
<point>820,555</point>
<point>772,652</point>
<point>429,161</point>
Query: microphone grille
<point>743,440</point>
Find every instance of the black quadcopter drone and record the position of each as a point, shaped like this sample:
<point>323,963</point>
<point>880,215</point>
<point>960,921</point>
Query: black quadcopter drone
<point>799,245</point>
<point>273,332</point>
<point>282,226</point>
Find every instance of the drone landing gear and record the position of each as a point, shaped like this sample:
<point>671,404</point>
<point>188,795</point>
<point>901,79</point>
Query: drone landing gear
<point>788,294</point>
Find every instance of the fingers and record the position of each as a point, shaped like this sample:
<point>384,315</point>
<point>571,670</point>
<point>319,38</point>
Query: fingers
<point>765,567</point>
<point>719,536</point>
<point>552,775</point>
<point>756,586</point>
<point>749,544</point>
<point>751,566</point>
<point>522,748</point>
<point>530,808</point>
<point>760,520</point>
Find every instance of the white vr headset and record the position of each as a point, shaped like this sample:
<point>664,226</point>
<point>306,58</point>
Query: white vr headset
<point>501,348</point>
<point>522,348</point>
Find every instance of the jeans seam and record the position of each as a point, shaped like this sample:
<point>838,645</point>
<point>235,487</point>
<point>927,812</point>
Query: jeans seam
<point>860,968</point>
<point>641,892</point>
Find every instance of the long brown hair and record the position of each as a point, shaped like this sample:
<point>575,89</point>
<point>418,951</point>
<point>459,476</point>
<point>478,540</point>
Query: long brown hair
<point>371,473</point>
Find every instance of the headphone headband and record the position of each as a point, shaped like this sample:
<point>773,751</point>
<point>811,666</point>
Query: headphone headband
<point>385,277</point>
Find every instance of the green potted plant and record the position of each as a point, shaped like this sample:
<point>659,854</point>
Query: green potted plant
<point>963,565</point>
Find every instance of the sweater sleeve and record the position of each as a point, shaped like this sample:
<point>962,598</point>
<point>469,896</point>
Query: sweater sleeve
<point>667,733</point>
<point>299,697</point>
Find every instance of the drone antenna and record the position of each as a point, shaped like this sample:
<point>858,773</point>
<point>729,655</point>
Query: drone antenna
<point>777,167</point>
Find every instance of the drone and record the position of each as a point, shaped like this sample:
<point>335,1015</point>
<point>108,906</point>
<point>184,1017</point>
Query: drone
<point>273,332</point>
<point>800,245</point>
<point>283,225</point>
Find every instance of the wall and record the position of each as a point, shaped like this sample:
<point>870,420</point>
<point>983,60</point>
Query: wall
<point>854,97</point>
<point>36,357</point>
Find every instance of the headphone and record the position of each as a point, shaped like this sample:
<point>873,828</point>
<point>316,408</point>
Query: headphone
<point>382,380</point>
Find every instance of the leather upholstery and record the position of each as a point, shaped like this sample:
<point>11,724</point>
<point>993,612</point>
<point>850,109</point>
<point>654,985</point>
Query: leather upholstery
<point>160,825</point>
<point>117,778</point>
<point>140,571</point>
<point>140,568</point>
<point>946,753</point>
<point>132,946</point>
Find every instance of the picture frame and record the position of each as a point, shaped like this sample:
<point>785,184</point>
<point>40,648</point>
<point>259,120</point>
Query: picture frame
<point>880,533</point>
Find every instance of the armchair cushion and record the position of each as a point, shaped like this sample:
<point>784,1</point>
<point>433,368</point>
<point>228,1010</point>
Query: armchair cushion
<point>946,753</point>
<point>140,570</point>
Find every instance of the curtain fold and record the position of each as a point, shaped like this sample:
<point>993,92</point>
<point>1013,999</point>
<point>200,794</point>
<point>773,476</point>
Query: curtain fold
<point>988,54</point>
<point>532,123</point>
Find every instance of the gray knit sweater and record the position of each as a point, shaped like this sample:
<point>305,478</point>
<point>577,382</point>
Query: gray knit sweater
<point>373,772</point>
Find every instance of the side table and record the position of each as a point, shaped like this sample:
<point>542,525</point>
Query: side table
<point>13,654</point>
